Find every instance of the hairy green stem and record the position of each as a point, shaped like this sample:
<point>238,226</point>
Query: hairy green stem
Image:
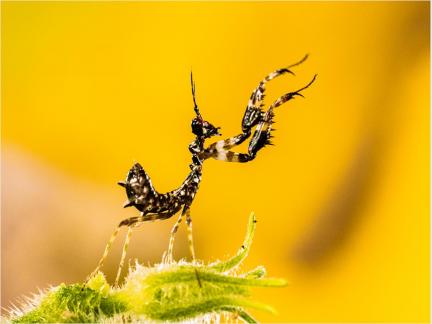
<point>173,291</point>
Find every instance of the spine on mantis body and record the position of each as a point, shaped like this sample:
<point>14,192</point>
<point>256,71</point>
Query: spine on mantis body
<point>143,196</point>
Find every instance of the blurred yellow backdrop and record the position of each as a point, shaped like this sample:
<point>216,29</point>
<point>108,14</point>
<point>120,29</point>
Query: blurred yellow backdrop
<point>342,199</point>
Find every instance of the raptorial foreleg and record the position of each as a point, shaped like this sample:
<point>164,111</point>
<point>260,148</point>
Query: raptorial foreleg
<point>254,116</point>
<point>290,95</point>
<point>261,137</point>
<point>254,112</point>
<point>219,149</point>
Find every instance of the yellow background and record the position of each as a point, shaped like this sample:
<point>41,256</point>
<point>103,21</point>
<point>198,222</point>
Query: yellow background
<point>342,199</point>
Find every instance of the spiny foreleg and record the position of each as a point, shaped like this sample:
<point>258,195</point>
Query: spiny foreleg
<point>261,137</point>
<point>290,95</point>
<point>254,112</point>
<point>220,149</point>
<point>254,115</point>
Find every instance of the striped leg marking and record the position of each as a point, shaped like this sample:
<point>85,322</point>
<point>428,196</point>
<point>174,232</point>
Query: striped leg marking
<point>254,112</point>
<point>254,116</point>
<point>105,254</point>
<point>290,95</point>
<point>219,150</point>
<point>123,257</point>
<point>262,134</point>
<point>190,237</point>
<point>230,156</point>
<point>260,138</point>
<point>169,255</point>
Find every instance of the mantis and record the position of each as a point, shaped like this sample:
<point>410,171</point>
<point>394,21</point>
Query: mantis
<point>153,205</point>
